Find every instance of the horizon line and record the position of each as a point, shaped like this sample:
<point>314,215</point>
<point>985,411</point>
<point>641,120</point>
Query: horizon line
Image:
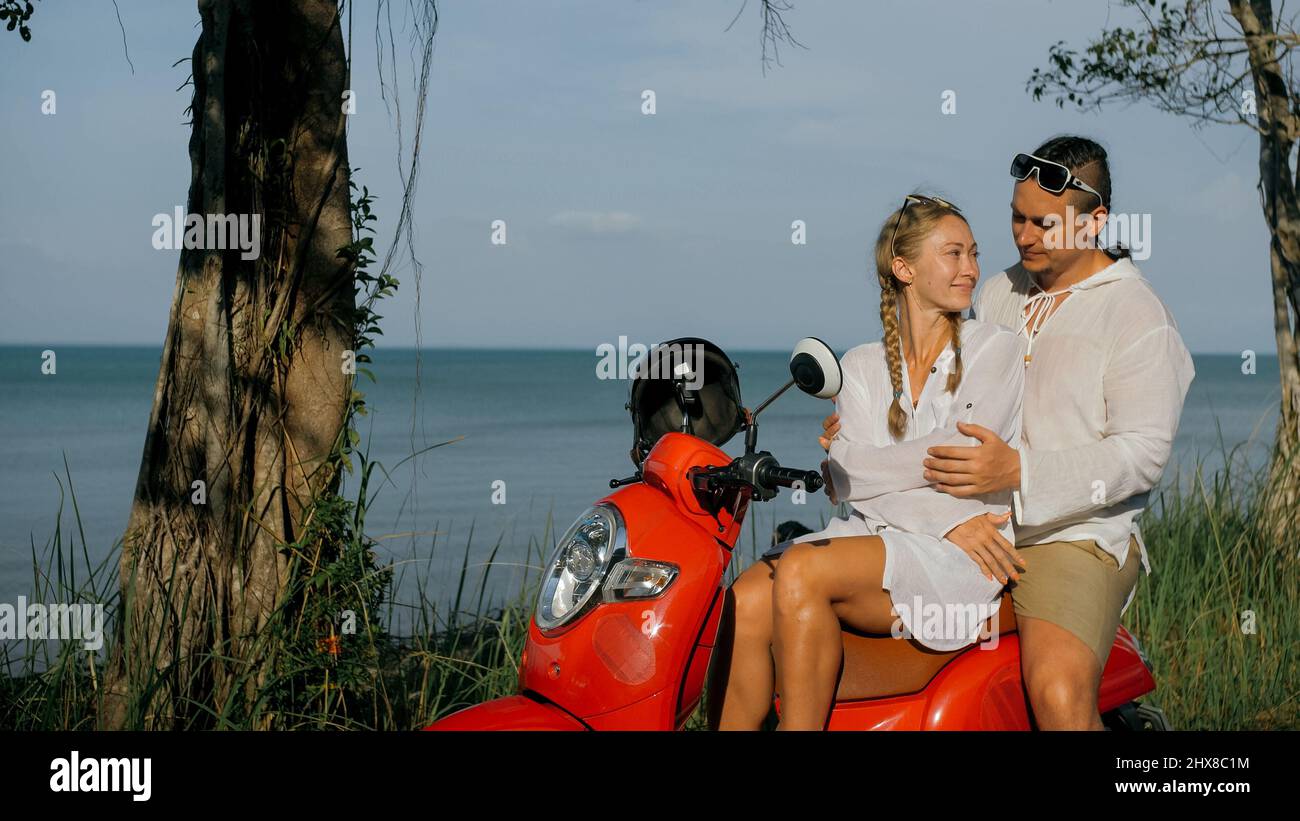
<point>503,348</point>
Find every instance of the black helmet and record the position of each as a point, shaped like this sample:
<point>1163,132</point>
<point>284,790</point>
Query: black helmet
<point>713,407</point>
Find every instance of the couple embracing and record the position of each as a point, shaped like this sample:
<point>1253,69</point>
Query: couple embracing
<point>1010,450</point>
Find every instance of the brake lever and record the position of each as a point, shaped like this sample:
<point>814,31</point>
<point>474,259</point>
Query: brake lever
<point>635,477</point>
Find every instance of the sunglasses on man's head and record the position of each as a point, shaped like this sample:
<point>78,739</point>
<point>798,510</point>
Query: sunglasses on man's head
<point>916,198</point>
<point>1051,176</point>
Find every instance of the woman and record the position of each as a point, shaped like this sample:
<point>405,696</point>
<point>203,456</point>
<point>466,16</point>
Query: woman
<point>906,548</point>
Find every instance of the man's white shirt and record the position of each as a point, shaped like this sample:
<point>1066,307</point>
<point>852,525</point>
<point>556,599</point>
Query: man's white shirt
<point>1105,381</point>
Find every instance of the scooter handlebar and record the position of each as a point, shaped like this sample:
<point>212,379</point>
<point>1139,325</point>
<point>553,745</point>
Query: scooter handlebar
<point>758,471</point>
<point>777,476</point>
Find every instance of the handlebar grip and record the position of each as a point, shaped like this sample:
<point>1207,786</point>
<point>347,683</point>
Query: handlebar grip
<point>788,477</point>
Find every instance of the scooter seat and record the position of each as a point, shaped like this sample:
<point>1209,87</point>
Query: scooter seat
<point>877,666</point>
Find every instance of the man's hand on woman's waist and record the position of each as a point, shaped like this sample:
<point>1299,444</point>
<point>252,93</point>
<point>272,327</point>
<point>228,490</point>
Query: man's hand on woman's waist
<point>964,471</point>
<point>958,470</point>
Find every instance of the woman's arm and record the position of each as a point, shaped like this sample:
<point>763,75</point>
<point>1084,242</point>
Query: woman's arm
<point>976,524</point>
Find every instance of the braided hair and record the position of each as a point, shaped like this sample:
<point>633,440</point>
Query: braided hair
<point>914,225</point>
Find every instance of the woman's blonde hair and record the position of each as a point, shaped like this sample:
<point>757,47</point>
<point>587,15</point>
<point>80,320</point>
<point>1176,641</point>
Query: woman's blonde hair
<point>917,220</point>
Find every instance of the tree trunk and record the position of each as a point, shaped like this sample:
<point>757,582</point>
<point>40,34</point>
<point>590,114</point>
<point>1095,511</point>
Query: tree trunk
<point>251,397</point>
<point>1279,130</point>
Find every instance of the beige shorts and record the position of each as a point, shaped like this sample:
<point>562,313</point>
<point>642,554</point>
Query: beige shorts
<point>1078,586</point>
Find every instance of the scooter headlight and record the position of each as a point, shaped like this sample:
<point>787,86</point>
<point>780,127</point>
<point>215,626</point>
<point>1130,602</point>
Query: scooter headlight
<point>582,559</point>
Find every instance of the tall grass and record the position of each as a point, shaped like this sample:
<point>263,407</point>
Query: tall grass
<point>54,684</point>
<point>1219,618</point>
<point>318,675</point>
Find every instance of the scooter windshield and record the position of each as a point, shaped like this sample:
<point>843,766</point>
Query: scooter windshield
<point>686,378</point>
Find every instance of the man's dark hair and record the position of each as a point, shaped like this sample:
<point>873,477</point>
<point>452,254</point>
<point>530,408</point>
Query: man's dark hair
<point>1086,160</point>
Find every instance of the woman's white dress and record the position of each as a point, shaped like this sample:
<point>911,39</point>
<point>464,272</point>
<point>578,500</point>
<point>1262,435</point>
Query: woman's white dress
<point>940,594</point>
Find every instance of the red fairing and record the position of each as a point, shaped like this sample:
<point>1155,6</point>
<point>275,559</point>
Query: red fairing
<point>668,469</point>
<point>1126,676</point>
<point>629,660</point>
<point>621,653</point>
<point>510,713</point>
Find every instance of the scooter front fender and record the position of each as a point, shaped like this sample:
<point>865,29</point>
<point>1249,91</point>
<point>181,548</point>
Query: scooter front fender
<point>509,713</point>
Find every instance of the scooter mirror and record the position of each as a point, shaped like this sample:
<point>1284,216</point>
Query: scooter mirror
<point>815,368</point>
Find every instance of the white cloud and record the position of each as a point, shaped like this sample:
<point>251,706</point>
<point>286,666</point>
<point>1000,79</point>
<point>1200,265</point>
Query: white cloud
<point>596,222</point>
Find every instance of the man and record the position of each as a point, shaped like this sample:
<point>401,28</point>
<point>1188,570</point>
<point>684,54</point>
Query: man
<point>1106,375</point>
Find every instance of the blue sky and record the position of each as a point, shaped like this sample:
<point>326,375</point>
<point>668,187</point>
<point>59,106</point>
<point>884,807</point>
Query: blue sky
<point>621,224</point>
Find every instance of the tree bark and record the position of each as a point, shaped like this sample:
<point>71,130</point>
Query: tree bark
<point>251,396</point>
<point>1279,129</point>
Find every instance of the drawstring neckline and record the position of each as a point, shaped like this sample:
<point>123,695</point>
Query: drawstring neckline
<point>1040,308</point>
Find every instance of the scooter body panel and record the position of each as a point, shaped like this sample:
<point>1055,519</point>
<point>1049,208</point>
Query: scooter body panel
<point>510,713</point>
<point>631,657</point>
<point>978,690</point>
<point>982,689</point>
<point>1126,675</point>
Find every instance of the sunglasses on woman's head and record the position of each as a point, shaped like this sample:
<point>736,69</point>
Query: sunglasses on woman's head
<point>916,198</point>
<point>1051,176</point>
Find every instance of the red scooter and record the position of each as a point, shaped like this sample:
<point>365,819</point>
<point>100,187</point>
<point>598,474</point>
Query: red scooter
<point>628,611</point>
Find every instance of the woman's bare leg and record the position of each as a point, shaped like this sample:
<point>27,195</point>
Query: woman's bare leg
<point>741,676</point>
<point>818,587</point>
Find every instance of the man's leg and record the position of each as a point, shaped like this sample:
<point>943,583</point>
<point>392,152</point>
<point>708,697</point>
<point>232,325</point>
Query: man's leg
<point>1068,605</point>
<point>1061,676</point>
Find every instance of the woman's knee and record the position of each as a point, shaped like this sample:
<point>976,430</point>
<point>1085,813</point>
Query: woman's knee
<point>796,578</point>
